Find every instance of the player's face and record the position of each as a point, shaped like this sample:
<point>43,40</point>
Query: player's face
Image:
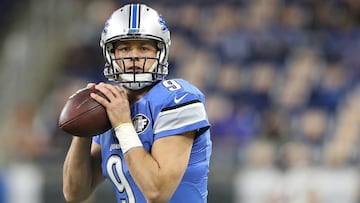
<point>135,48</point>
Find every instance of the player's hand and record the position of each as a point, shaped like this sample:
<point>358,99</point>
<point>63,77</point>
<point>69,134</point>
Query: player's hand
<point>117,106</point>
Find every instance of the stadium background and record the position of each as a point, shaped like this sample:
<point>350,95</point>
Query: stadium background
<point>281,79</point>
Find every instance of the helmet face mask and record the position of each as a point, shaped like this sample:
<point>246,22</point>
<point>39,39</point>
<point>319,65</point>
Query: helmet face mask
<point>135,22</point>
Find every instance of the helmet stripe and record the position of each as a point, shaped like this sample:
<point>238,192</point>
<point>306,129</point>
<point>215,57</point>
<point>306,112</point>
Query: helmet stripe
<point>135,16</point>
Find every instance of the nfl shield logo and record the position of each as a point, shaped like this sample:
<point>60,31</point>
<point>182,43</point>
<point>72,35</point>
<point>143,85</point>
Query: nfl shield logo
<point>141,122</point>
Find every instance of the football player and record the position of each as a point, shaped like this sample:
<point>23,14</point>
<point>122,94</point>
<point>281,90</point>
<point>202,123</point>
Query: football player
<point>159,147</point>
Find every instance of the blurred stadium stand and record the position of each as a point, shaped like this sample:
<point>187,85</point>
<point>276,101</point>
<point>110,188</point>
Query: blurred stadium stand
<point>281,77</point>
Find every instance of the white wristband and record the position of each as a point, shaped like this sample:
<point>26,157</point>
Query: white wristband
<point>127,137</point>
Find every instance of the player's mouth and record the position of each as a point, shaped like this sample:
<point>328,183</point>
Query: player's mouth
<point>134,69</point>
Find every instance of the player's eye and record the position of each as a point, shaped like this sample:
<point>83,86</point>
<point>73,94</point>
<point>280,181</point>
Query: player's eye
<point>123,48</point>
<point>147,48</point>
<point>144,48</point>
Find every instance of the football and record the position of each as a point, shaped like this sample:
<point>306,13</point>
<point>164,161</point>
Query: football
<point>83,116</point>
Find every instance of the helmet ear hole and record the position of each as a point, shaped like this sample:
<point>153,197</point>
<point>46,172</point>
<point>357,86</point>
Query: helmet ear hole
<point>162,53</point>
<point>160,46</point>
<point>108,52</point>
<point>110,48</point>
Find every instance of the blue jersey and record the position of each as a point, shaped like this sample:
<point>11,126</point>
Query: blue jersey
<point>171,107</point>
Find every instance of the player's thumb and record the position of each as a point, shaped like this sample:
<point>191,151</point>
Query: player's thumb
<point>90,85</point>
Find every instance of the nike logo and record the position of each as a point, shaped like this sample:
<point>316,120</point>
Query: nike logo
<point>177,100</point>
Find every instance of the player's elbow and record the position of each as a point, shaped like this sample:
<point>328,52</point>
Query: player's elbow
<point>73,198</point>
<point>161,191</point>
<point>69,197</point>
<point>72,194</point>
<point>156,196</point>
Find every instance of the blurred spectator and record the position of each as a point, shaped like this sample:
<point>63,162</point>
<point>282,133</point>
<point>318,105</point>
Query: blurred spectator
<point>22,140</point>
<point>84,62</point>
<point>23,146</point>
<point>331,89</point>
<point>262,80</point>
<point>231,81</point>
<point>275,126</point>
<point>199,69</point>
<point>299,177</point>
<point>312,130</point>
<point>18,192</point>
<point>259,180</point>
<point>3,188</point>
<point>337,179</point>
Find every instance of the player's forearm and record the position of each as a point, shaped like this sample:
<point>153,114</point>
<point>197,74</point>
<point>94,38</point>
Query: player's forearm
<point>153,179</point>
<point>77,171</point>
<point>153,182</point>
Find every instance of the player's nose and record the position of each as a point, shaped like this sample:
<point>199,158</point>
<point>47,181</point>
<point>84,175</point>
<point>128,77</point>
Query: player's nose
<point>134,58</point>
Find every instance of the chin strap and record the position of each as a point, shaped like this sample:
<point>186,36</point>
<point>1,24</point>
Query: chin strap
<point>137,85</point>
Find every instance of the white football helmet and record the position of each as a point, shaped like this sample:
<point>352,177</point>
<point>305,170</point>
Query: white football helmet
<point>135,22</point>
